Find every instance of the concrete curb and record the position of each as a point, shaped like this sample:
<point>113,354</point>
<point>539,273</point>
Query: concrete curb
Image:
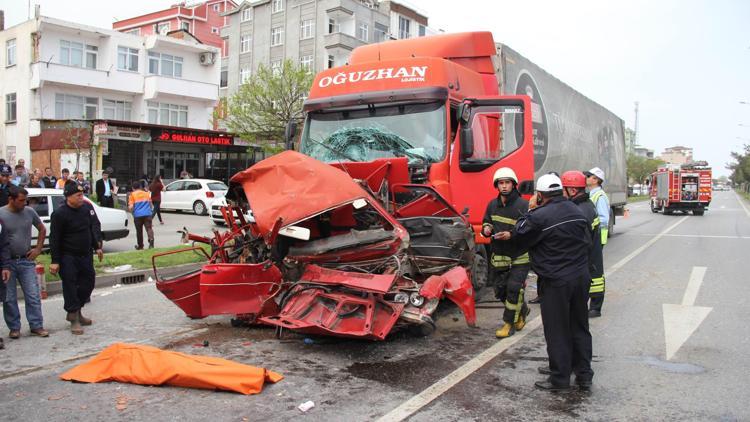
<point>128,277</point>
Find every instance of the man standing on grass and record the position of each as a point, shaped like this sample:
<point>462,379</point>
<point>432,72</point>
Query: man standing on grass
<point>19,219</point>
<point>75,233</point>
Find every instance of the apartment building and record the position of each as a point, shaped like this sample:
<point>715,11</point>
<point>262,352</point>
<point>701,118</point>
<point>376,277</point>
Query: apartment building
<point>203,20</point>
<point>318,34</point>
<point>677,155</point>
<point>82,97</point>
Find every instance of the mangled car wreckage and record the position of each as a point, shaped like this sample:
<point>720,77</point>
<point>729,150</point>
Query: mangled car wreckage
<point>348,249</point>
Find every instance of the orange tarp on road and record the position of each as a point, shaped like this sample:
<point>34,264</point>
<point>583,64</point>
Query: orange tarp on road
<point>145,365</point>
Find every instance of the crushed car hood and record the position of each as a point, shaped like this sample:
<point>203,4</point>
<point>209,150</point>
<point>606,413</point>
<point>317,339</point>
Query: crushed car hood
<point>292,187</point>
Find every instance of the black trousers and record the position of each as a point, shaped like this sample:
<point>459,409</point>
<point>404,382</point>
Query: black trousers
<point>107,201</point>
<point>509,287</point>
<point>78,277</point>
<point>566,328</point>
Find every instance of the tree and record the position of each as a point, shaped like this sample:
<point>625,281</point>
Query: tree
<point>639,168</point>
<point>261,108</point>
<point>741,166</point>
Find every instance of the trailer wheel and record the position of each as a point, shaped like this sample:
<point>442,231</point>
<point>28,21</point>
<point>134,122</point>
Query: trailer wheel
<point>479,270</point>
<point>698,212</point>
<point>654,209</point>
<point>611,223</point>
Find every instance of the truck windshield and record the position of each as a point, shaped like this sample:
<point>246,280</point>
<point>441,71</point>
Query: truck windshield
<point>416,131</point>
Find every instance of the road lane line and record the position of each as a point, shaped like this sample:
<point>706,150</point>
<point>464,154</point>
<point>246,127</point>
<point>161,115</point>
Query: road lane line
<point>698,236</point>
<point>742,204</point>
<point>426,396</point>
<point>691,292</point>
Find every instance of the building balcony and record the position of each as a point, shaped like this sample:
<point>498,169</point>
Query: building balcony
<point>113,80</point>
<point>340,40</point>
<point>156,87</point>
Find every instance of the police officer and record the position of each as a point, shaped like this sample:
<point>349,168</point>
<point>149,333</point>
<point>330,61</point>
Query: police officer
<point>558,237</point>
<point>75,233</point>
<point>509,263</point>
<point>594,181</point>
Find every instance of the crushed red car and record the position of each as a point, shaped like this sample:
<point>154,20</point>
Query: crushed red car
<point>349,250</point>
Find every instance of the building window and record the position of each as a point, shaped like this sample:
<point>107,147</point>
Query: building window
<point>92,52</point>
<point>306,29</point>
<point>422,30</point>
<point>164,64</point>
<point>331,61</point>
<point>277,6</point>
<point>75,107</point>
<point>403,27</point>
<point>217,7</point>
<point>127,59</point>
<point>223,78</point>
<point>245,43</point>
<point>10,108</point>
<point>244,74</point>
<point>306,62</point>
<point>363,31</point>
<point>381,32</point>
<point>167,114</point>
<point>185,26</point>
<point>276,67</point>
<point>71,53</point>
<point>10,52</point>
<point>117,110</point>
<point>162,28</point>
<point>136,31</point>
<point>277,33</point>
<point>333,26</point>
<point>214,30</point>
<point>247,14</point>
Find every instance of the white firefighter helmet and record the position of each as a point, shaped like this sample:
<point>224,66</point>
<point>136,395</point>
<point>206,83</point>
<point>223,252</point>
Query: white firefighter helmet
<point>548,183</point>
<point>504,173</point>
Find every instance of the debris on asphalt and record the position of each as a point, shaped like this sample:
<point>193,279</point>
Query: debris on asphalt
<point>146,365</point>
<point>105,294</point>
<point>119,268</point>
<point>308,340</point>
<point>306,406</point>
<point>121,403</point>
<point>56,397</point>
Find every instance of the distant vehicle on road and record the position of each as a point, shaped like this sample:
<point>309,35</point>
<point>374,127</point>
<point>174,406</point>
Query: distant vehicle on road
<point>192,195</point>
<point>218,219</point>
<point>45,201</point>
<point>685,188</point>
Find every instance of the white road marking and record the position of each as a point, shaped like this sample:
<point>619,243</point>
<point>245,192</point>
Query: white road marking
<point>426,396</point>
<point>681,321</point>
<point>742,204</point>
<point>699,236</point>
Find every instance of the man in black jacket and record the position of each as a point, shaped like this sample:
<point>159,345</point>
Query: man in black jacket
<point>509,264</point>
<point>75,234</point>
<point>4,264</point>
<point>105,191</point>
<point>558,237</point>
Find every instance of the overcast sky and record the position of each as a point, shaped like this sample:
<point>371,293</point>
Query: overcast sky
<point>687,62</point>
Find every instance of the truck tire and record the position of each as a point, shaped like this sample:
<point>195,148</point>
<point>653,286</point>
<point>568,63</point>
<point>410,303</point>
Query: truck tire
<point>611,224</point>
<point>698,212</point>
<point>479,270</point>
<point>654,209</point>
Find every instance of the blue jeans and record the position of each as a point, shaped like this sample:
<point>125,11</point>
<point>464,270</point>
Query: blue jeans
<point>24,271</point>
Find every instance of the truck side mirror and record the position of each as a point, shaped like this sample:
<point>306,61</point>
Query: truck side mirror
<point>526,187</point>
<point>467,142</point>
<point>289,134</point>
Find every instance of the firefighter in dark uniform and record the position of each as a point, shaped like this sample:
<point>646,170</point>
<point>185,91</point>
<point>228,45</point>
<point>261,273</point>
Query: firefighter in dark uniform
<point>558,237</point>
<point>75,233</point>
<point>509,264</point>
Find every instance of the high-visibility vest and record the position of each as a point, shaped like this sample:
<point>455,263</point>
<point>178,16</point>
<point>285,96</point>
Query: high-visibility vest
<point>604,229</point>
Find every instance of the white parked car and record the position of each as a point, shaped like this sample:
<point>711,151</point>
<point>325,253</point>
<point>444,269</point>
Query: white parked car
<point>218,219</point>
<point>114,222</point>
<point>192,195</point>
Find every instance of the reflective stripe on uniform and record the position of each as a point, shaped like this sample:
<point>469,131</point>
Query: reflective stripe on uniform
<point>501,219</point>
<point>597,285</point>
<point>595,223</point>
<point>605,234</point>
<point>500,261</point>
<point>515,307</point>
<point>521,259</point>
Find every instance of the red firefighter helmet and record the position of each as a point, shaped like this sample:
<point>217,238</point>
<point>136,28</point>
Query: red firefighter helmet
<point>573,179</point>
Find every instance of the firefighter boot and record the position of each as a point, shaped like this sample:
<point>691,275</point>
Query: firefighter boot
<point>506,330</point>
<point>518,325</point>
<point>75,325</point>
<point>83,320</point>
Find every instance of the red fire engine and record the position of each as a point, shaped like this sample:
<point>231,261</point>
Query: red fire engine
<point>681,188</point>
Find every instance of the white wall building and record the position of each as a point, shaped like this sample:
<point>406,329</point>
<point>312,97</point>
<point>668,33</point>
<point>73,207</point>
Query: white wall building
<point>55,72</point>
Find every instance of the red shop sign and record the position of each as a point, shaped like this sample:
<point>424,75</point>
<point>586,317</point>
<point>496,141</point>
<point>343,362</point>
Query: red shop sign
<point>191,138</point>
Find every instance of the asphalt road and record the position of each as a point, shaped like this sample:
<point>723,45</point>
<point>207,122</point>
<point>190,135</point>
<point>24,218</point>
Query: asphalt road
<point>690,269</point>
<point>164,234</point>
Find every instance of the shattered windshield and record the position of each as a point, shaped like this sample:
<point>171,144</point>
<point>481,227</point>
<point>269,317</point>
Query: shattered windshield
<point>415,131</point>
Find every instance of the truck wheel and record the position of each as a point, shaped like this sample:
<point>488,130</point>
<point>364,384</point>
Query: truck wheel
<point>698,212</point>
<point>199,208</point>
<point>479,270</point>
<point>666,211</point>
<point>611,224</point>
<point>654,209</point>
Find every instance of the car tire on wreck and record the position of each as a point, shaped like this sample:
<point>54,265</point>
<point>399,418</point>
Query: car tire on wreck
<point>479,270</point>
<point>423,330</point>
